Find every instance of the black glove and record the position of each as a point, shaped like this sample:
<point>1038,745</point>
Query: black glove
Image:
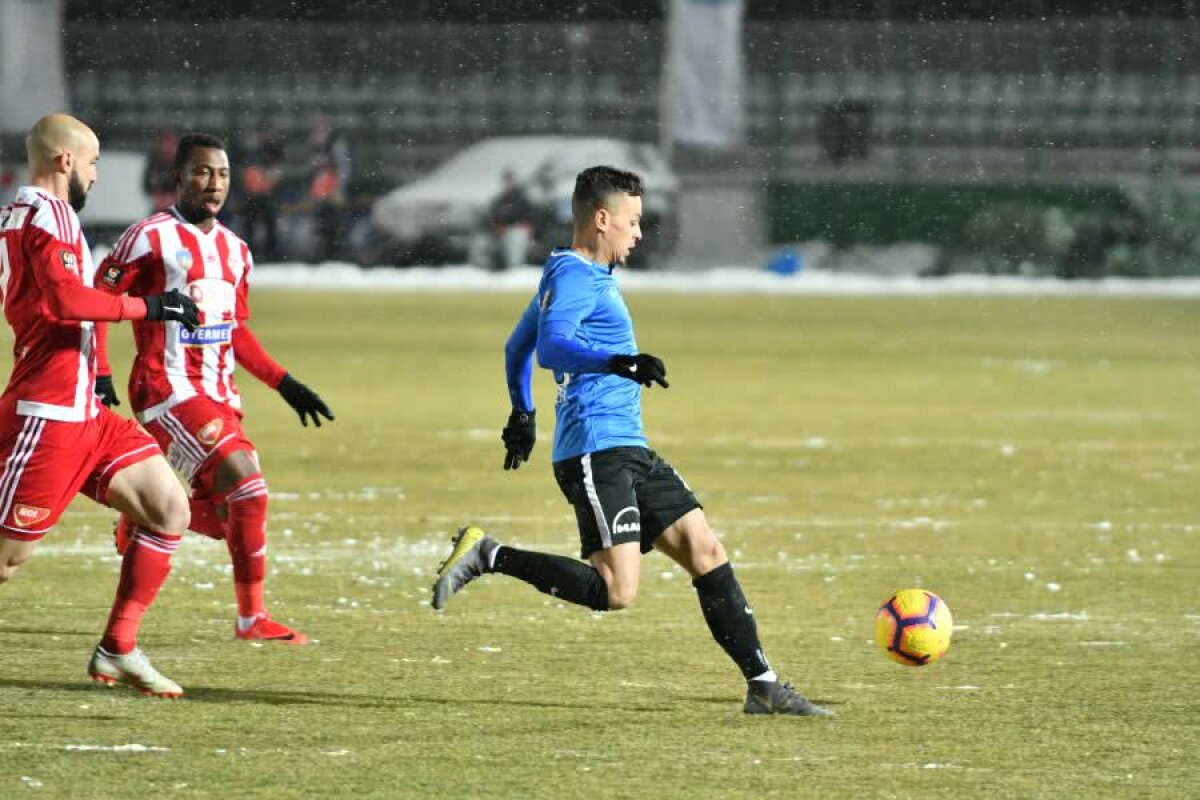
<point>306,402</point>
<point>106,391</point>
<point>519,436</point>
<point>172,306</point>
<point>643,368</point>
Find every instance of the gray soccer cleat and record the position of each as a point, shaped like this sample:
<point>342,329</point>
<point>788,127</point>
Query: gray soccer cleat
<point>132,668</point>
<point>466,562</point>
<point>777,697</point>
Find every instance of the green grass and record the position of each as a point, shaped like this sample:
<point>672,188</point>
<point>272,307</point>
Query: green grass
<point>991,450</point>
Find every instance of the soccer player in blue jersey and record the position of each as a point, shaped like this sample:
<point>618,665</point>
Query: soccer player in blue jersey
<point>627,499</point>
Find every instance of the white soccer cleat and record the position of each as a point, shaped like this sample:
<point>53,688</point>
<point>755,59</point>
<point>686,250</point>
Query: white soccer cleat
<point>132,668</point>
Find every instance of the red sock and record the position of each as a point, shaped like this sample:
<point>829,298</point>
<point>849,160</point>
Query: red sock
<point>206,518</point>
<point>247,541</point>
<point>145,566</point>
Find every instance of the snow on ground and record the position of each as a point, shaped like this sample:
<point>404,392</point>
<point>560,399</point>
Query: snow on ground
<point>715,281</point>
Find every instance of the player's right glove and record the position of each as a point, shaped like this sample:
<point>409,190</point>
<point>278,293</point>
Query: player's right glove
<point>106,391</point>
<point>172,306</point>
<point>519,436</point>
<point>643,368</point>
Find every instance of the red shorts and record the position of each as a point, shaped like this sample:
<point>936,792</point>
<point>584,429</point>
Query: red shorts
<point>197,435</point>
<point>46,463</point>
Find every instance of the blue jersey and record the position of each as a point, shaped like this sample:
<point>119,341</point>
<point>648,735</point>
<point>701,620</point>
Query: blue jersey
<point>575,323</point>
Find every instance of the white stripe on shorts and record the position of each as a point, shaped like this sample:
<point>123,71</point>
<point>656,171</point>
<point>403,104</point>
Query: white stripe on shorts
<point>181,437</point>
<point>23,450</point>
<point>589,483</point>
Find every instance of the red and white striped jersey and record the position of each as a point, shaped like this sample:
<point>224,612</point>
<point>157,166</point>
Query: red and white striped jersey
<point>44,259</point>
<point>164,252</point>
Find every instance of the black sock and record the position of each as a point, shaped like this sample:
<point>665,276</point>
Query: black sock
<point>730,619</point>
<point>557,576</point>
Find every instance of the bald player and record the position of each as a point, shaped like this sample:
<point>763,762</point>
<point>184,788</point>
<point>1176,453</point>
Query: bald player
<point>56,439</point>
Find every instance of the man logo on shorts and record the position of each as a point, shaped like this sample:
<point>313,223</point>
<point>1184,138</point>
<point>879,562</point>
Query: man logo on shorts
<point>627,520</point>
<point>24,515</point>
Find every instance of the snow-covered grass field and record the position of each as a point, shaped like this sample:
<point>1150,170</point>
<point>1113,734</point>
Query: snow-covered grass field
<point>1033,458</point>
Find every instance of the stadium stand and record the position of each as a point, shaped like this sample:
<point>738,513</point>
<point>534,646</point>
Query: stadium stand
<point>411,95</point>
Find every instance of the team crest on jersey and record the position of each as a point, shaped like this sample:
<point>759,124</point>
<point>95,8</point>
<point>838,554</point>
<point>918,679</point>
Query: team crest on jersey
<point>69,261</point>
<point>184,259</point>
<point>209,434</point>
<point>112,275</point>
<point>24,515</point>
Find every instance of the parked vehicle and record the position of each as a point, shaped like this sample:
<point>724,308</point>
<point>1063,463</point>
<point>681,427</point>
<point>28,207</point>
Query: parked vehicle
<point>443,217</point>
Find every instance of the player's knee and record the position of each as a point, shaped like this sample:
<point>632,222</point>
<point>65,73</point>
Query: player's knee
<point>621,595</point>
<point>701,548</point>
<point>708,554</point>
<point>8,569</point>
<point>170,513</point>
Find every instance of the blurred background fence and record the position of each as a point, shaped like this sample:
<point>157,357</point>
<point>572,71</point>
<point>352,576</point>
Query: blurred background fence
<point>1084,96</point>
<point>1033,135</point>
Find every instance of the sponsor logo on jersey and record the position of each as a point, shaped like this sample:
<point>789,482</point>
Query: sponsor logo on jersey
<point>209,434</point>
<point>184,259</point>
<point>24,515</point>
<point>627,520</point>
<point>207,335</point>
<point>112,275</point>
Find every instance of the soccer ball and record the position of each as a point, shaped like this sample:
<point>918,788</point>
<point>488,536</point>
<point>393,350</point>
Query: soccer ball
<point>914,627</point>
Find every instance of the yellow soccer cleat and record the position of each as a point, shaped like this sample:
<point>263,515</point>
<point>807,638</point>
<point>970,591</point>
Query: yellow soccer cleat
<point>466,562</point>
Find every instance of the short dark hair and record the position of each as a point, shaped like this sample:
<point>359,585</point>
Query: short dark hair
<point>194,141</point>
<point>595,185</point>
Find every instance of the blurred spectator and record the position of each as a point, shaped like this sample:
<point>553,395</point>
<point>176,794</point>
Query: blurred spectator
<point>8,183</point>
<point>329,176</point>
<point>512,218</point>
<point>260,184</point>
<point>158,179</point>
<point>843,130</point>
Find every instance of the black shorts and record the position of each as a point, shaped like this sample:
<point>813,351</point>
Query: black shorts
<point>623,494</point>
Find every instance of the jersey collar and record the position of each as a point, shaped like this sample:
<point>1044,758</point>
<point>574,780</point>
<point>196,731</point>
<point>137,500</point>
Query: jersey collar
<point>174,211</point>
<point>608,269</point>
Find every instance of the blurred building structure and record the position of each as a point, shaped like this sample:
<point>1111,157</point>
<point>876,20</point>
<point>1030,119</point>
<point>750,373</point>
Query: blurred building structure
<point>1006,96</point>
<point>1023,90</point>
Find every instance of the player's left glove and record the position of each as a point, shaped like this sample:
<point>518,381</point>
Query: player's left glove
<point>642,368</point>
<point>519,436</point>
<point>304,400</point>
<point>106,391</point>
